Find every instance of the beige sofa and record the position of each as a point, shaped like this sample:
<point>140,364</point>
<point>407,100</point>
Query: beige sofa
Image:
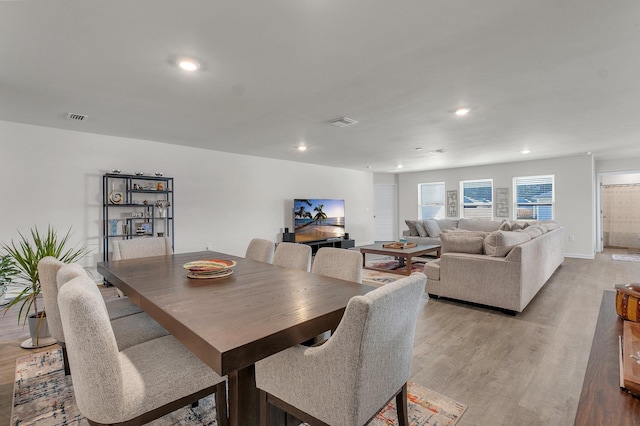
<point>503,269</point>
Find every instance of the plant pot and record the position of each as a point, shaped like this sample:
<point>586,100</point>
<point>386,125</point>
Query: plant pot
<point>39,331</point>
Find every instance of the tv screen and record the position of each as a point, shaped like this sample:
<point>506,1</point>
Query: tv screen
<point>318,219</point>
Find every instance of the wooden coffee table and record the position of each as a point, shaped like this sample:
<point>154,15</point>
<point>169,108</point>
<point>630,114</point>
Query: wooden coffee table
<point>403,255</point>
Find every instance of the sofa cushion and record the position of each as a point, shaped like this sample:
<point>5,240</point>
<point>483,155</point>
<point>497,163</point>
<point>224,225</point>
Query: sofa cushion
<point>447,223</point>
<point>482,234</point>
<point>432,227</point>
<point>413,231</point>
<point>500,243</point>
<point>512,225</point>
<point>461,243</point>
<point>422,231</point>
<point>479,225</point>
<point>432,270</point>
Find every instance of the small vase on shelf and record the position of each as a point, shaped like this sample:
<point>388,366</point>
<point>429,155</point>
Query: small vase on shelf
<point>113,223</point>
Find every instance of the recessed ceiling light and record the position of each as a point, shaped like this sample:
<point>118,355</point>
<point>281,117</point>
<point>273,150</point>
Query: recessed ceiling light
<point>462,111</point>
<point>525,151</point>
<point>587,153</point>
<point>418,149</point>
<point>302,147</point>
<point>188,64</point>
<point>400,166</point>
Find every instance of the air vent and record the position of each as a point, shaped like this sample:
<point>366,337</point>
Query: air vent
<point>77,117</point>
<point>343,122</point>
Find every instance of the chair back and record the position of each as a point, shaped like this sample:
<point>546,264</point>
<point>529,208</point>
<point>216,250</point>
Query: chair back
<point>92,349</point>
<point>48,268</point>
<point>260,250</point>
<point>141,247</point>
<point>293,255</point>
<point>375,338</point>
<point>338,263</point>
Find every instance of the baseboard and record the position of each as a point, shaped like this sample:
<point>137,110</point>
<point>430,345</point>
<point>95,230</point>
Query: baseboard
<point>580,256</point>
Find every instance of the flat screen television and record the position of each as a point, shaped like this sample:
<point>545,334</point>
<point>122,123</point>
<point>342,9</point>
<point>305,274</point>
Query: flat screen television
<point>318,219</point>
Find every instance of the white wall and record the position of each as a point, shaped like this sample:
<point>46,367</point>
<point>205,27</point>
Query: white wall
<point>574,193</point>
<point>53,176</point>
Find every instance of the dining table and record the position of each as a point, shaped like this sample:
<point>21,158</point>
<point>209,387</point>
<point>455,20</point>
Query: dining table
<point>232,322</point>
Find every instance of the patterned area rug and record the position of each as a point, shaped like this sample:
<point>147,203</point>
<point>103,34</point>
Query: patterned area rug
<point>370,276</point>
<point>43,396</point>
<point>626,257</point>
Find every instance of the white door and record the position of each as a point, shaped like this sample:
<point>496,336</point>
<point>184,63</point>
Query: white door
<point>384,212</point>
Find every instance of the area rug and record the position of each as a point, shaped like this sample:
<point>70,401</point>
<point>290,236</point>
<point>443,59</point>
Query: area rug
<point>626,257</point>
<point>43,396</point>
<point>370,276</point>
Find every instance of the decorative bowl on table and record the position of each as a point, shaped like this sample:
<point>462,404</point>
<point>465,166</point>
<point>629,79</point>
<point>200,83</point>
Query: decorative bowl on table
<point>210,268</point>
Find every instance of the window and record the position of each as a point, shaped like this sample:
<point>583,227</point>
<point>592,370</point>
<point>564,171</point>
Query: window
<point>534,197</point>
<point>431,200</point>
<point>477,199</point>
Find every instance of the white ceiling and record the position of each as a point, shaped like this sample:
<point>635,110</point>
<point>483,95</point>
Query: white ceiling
<point>559,77</point>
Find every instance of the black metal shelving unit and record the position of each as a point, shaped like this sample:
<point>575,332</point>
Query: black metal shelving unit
<point>130,200</point>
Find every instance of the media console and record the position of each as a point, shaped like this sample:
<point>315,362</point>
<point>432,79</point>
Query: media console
<point>316,245</point>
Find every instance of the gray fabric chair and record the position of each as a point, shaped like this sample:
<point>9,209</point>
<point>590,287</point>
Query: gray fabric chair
<point>260,250</point>
<point>130,324</point>
<point>131,386</point>
<point>141,247</point>
<point>338,263</point>
<point>364,365</point>
<point>294,256</point>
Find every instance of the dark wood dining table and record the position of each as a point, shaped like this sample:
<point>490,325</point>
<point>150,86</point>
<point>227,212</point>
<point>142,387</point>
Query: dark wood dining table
<point>230,323</point>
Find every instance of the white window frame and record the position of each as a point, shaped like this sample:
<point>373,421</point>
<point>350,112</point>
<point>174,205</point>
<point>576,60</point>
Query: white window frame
<point>465,208</point>
<point>535,205</point>
<point>440,204</point>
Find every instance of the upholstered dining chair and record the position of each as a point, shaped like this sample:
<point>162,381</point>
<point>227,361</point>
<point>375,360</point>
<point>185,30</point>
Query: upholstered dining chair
<point>260,250</point>
<point>131,325</point>
<point>364,365</point>
<point>338,263</point>
<point>293,255</point>
<point>131,386</point>
<point>141,247</point>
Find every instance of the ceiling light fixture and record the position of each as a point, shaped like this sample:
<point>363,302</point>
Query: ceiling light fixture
<point>188,64</point>
<point>418,149</point>
<point>461,112</point>
<point>302,148</point>
<point>525,151</point>
<point>400,166</point>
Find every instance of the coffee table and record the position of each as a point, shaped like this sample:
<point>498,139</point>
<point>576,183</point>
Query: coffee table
<point>403,255</point>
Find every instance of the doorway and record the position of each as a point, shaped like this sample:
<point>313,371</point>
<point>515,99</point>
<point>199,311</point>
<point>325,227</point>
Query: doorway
<point>619,221</point>
<point>384,212</point>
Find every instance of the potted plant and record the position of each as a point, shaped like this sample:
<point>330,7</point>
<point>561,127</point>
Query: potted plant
<point>7,272</point>
<point>26,254</point>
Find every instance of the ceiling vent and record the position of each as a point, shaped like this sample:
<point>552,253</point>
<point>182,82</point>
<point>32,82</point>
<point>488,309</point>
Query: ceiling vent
<point>343,122</point>
<point>76,117</point>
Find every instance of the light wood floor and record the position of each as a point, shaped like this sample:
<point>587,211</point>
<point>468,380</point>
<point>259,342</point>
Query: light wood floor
<point>523,370</point>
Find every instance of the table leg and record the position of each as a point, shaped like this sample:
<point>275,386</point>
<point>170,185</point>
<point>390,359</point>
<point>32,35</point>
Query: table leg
<point>243,397</point>
<point>408,265</point>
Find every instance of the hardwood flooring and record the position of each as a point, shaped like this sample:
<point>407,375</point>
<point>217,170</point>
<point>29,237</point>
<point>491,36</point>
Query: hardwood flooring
<point>523,370</point>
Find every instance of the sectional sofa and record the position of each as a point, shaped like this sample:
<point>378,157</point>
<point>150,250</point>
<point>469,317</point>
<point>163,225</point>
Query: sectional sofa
<point>503,268</point>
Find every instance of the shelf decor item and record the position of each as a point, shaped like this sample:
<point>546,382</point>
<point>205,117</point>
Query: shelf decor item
<point>113,223</point>
<point>162,205</point>
<point>115,197</point>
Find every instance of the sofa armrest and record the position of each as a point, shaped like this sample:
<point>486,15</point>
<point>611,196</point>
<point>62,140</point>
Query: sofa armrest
<point>406,233</point>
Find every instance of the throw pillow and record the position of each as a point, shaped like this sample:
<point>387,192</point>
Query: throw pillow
<point>454,242</point>
<point>447,223</point>
<point>432,227</point>
<point>413,231</point>
<point>505,226</point>
<point>482,234</point>
<point>500,243</point>
<point>421,229</point>
<point>533,231</point>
